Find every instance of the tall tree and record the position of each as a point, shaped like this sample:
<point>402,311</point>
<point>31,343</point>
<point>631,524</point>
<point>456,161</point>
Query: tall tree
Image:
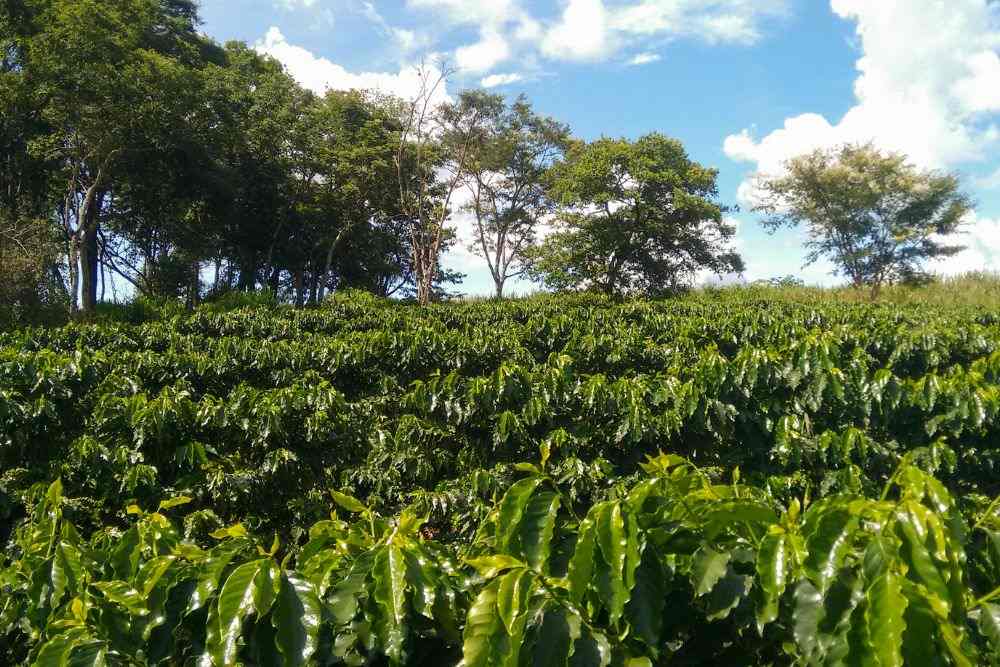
<point>877,217</point>
<point>27,246</point>
<point>356,138</point>
<point>434,148</point>
<point>636,217</point>
<point>113,74</point>
<point>263,173</point>
<point>505,178</point>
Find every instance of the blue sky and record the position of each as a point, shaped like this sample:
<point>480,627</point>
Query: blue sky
<point>745,84</point>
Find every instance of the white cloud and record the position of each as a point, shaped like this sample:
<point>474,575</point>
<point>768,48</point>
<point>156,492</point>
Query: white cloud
<point>482,56</point>
<point>644,58</point>
<point>291,5</point>
<point>918,89</point>
<point>581,34</point>
<point>593,30</point>
<point>494,80</point>
<point>981,238</point>
<point>719,21</point>
<point>980,90</point>
<point>474,12</point>
<point>319,74</point>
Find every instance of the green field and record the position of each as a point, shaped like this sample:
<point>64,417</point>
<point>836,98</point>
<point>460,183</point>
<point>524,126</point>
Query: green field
<point>741,477</point>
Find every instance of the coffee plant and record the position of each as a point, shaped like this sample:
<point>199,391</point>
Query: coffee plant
<point>717,479</point>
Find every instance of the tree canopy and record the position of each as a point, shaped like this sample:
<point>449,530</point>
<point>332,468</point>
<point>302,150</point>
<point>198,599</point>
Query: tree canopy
<point>505,180</point>
<point>877,217</point>
<point>635,216</point>
<point>138,156</point>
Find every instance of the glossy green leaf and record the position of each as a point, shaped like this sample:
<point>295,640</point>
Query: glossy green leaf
<point>512,596</point>
<point>151,572</point>
<point>236,602</point>
<point>727,593</point>
<point>489,566</point>
<point>828,540</point>
<point>296,617</point>
<point>581,566</point>
<point>772,573</point>
<point>210,574</point>
<point>55,652</point>
<point>176,501</point>
<point>484,641</point>
<point>123,594</point>
<point>808,614</point>
<point>645,608</point>
<point>535,531</point>
<point>389,573</point>
<point>349,503</point>
<point>708,566</point>
<point>612,541</point>
<point>66,571</point>
<point>884,615</point>
<point>512,508</point>
<point>556,635</point>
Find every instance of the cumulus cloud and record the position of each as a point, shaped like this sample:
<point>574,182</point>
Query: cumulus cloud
<point>644,58</point>
<point>927,74</point>
<point>981,238</point>
<point>482,56</point>
<point>593,30</point>
<point>581,34</point>
<point>320,75</point>
<point>295,4</point>
<point>494,80</point>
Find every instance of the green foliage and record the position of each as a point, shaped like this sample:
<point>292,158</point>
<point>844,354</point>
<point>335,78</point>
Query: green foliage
<point>877,217</point>
<point>636,217</point>
<point>234,300</point>
<point>507,168</point>
<point>828,493</point>
<point>675,567</point>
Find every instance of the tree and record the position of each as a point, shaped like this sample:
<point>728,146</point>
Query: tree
<point>505,177</point>
<point>29,277</point>
<point>434,148</point>
<point>636,217</point>
<point>114,76</point>
<point>877,217</point>
<point>358,189</point>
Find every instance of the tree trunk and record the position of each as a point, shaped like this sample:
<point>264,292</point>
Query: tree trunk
<point>194,295</point>
<point>248,277</point>
<point>326,269</point>
<point>499,285</point>
<point>74,274</point>
<point>88,267</point>
<point>300,288</point>
<point>424,282</point>
<point>218,270</point>
<point>313,287</point>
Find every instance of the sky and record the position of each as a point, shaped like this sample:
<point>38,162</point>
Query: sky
<point>744,84</point>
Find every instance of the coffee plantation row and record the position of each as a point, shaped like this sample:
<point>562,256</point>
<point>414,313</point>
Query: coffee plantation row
<point>724,478</point>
